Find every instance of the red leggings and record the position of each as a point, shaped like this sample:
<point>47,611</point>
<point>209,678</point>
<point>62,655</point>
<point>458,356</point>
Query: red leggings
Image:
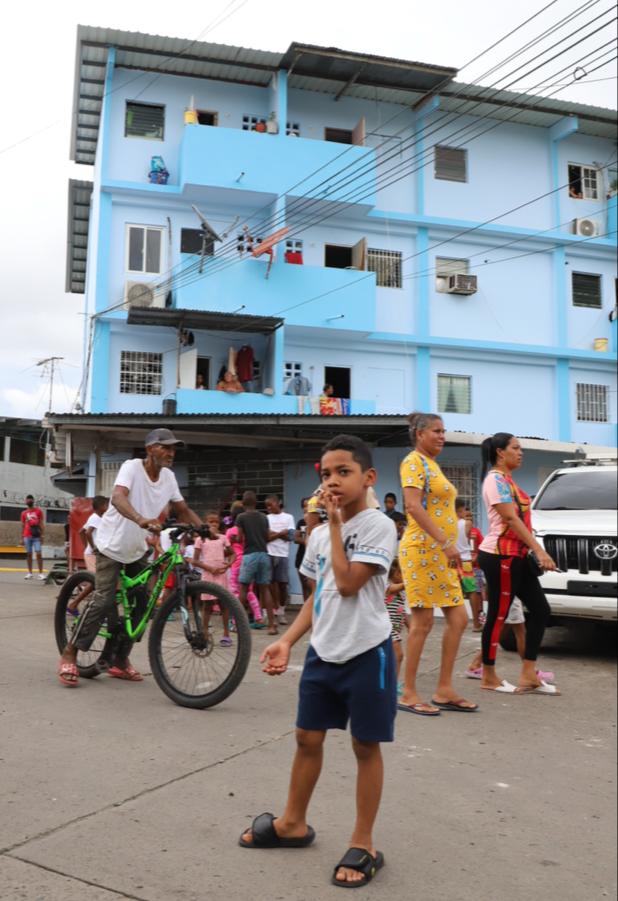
<point>507,577</point>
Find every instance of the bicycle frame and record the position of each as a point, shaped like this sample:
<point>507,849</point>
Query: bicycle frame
<point>169,560</point>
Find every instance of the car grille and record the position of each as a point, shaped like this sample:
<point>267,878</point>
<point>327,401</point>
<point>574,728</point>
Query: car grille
<point>572,552</point>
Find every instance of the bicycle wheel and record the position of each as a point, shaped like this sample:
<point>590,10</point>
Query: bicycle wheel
<point>74,595</point>
<point>195,659</point>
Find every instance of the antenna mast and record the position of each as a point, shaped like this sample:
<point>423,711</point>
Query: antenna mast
<point>51,362</point>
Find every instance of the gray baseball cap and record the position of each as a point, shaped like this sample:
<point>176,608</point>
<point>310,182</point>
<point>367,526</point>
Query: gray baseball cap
<point>162,436</point>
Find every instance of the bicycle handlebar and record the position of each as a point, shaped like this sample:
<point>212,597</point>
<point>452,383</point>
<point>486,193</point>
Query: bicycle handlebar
<point>179,529</point>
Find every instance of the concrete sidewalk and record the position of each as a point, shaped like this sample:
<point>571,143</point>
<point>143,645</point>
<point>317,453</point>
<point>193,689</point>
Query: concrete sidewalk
<point>110,791</point>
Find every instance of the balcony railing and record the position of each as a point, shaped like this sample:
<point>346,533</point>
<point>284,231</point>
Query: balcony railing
<point>190,401</point>
<point>276,164</point>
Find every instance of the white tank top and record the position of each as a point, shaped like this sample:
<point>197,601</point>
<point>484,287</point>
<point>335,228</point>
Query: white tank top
<point>463,544</point>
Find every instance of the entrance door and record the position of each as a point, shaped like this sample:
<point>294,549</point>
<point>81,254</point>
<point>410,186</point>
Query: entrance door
<point>340,378</point>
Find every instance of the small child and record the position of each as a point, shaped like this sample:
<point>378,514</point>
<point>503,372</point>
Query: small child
<point>396,607</point>
<point>88,533</point>
<point>214,557</point>
<point>349,673</point>
<point>466,570</point>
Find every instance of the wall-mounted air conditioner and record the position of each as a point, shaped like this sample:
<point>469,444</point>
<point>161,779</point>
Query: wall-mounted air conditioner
<point>143,294</point>
<point>462,284</point>
<point>586,228</point>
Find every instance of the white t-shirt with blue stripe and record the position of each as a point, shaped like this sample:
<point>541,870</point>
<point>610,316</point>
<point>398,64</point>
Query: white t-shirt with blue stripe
<point>344,628</point>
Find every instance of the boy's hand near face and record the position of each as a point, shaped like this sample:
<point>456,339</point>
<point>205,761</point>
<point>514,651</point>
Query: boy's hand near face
<point>332,507</point>
<point>276,658</point>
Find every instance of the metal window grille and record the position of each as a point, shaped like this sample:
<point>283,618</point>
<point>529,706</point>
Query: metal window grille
<point>454,394</point>
<point>292,128</point>
<point>465,479</point>
<point>107,477</point>
<point>387,266</point>
<point>592,403</point>
<point>291,370</point>
<point>451,163</point>
<point>144,120</point>
<point>586,290</point>
<point>249,122</point>
<point>140,372</point>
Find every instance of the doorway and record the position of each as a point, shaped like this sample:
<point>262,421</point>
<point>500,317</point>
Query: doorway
<point>337,256</point>
<point>203,370</point>
<point>204,117</point>
<point>340,377</point>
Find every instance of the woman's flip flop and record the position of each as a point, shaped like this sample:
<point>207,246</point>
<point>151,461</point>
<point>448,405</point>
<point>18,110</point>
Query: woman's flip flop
<point>461,705</point>
<point>419,709</point>
<point>542,689</point>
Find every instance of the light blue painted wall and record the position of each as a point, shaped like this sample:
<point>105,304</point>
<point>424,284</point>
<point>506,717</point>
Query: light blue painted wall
<point>591,432</point>
<point>584,325</point>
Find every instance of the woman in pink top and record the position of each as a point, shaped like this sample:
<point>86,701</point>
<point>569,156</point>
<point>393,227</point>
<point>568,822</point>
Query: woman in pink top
<point>214,556</point>
<point>237,543</point>
<point>504,557</point>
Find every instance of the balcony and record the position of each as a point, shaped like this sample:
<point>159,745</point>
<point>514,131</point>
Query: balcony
<point>272,164</point>
<point>338,299</point>
<point>190,401</point>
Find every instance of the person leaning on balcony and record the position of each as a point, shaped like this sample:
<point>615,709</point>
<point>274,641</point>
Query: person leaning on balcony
<point>230,383</point>
<point>429,558</point>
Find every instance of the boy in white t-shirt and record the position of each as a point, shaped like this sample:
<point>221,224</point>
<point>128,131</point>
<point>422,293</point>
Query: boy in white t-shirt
<point>349,672</point>
<point>88,533</point>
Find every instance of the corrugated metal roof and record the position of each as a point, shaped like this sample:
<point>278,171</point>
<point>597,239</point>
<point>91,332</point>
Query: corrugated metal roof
<point>313,68</point>
<point>207,320</point>
<point>80,193</point>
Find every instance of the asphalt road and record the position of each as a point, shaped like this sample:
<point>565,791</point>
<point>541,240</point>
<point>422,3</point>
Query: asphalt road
<point>110,791</point>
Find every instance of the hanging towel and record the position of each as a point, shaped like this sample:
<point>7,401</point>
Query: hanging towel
<point>244,363</point>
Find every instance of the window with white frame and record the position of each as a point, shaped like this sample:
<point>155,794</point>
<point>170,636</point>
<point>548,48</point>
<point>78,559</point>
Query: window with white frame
<point>144,249</point>
<point>592,403</point>
<point>447,266</point>
<point>140,372</point>
<point>249,123</point>
<point>292,128</point>
<point>465,479</point>
<point>586,290</point>
<point>144,120</point>
<point>454,394</point>
<point>292,370</point>
<point>294,246</point>
<point>583,182</point>
<point>387,266</point>
<point>450,163</point>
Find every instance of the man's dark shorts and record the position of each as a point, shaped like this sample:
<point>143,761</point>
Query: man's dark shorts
<point>280,569</point>
<point>362,691</point>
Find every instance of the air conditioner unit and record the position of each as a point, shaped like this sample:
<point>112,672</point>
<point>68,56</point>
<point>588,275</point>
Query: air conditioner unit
<point>143,294</point>
<point>462,284</point>
<point>586,228</point>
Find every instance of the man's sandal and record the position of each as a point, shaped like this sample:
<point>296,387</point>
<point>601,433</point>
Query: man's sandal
<point>264,835</point>
<point>66,670</point>
<point>129,673</point>
<point>360,860</point>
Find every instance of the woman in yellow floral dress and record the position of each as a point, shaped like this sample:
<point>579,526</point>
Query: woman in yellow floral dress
<point>428,556</point>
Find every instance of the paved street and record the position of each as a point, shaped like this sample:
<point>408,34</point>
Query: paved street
<point>111,791</point>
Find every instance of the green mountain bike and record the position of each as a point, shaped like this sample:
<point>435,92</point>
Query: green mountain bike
<point>199,644</point>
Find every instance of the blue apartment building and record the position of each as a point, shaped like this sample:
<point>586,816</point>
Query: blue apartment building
<point>448,247</point>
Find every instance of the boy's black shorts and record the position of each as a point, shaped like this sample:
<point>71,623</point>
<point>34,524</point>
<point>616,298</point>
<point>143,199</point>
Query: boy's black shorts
<point>362,691</point>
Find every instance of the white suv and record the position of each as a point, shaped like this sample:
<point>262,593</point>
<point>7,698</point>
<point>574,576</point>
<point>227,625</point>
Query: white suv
<point>574,517</point>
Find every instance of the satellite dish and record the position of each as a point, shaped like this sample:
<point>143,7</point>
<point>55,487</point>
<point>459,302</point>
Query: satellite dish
<point>208,234</point>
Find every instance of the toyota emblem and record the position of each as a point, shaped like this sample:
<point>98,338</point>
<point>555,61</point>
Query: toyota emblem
<point>606,551</point>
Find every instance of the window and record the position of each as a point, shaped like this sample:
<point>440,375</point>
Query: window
<point>464,478</point>
<point>191,241</point>
<point>204,117</point>
<point>586,290</point>
<point>10,514</point>
<point>294,246</point>
<point>246,242</point>
<point>140,372</point>
<point>583,182</point>
<point>144,249</point>
<point>144,120</point>
<point>24,451</point>
<point>292,128</point>
<point>592,403</point>
<point>202,373</point>
<point>249,122</point>
<point>387,266</point>
<point>454,394</point>
<point>451,163</point>
<point>447,266</point>
<point>339,135</point>
<point>292,370</point>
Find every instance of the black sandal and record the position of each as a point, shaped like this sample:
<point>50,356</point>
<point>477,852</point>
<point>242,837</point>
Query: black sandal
<point>264,835</point>
<point>360,860</point>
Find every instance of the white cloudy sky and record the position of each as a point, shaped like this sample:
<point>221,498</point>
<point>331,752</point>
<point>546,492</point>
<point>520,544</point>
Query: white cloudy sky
<point>36,74</point>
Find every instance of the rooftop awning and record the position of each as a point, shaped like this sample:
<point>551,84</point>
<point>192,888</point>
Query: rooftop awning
<point>78,221</point>
<point>205,320</point>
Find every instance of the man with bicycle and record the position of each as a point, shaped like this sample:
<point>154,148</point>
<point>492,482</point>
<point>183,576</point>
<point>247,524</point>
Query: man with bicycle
<point>142,490</point>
